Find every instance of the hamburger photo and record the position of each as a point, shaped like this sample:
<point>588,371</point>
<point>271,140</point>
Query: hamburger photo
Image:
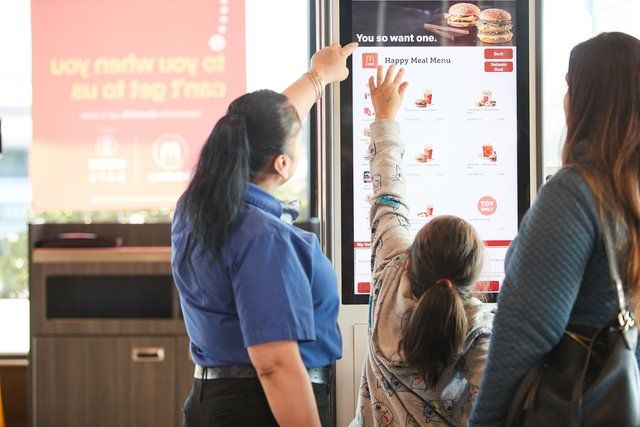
<point>463,15</point>
<point>494,26</point>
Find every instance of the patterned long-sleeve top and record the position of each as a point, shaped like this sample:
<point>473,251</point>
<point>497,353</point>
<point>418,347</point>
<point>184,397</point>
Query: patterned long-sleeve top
<point>392,394</point>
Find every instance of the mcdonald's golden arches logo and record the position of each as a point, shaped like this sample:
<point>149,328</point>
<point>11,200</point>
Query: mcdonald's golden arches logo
<point>369,60</point>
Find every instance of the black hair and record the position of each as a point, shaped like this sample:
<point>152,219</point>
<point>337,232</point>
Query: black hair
<point>257,127</point>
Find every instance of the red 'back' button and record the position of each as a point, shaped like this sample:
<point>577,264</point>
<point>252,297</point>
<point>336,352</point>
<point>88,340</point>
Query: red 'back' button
<point>498,67</point>
<point>498,53</point>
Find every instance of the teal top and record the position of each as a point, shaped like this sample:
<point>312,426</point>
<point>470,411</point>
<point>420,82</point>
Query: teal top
<point>556,273</point>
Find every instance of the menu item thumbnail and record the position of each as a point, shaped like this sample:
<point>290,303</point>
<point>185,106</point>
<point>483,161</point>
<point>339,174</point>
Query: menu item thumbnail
<point>486,99</point>
<point>427,212</point>
<point>494,26</point>
<point>489,153</point>
<point>426,100</point>
<point>463,15</point>
<point>428,96</point>
<point>426,155</point>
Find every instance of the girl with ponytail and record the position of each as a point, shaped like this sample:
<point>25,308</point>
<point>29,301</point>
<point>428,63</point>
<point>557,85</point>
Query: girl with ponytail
<point>259,298</point>
<point>445,260</point>
<point>428,336</point>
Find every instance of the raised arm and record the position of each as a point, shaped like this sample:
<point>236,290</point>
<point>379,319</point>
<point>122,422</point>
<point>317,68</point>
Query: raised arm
<point>389,209</point>
<point>329,64</point>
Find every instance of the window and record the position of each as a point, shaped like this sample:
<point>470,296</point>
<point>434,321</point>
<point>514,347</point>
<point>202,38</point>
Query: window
<point>566,23</point>
<point>15,192</point>
<point>276,56</point>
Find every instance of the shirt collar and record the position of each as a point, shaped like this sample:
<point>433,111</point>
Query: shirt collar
<point>261,199</point>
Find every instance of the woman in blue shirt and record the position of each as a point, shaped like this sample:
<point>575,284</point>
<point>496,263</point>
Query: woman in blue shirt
<point>260,300</point>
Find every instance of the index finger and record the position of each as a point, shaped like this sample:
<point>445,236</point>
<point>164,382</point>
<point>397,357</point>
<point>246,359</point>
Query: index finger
<point>348,49</point>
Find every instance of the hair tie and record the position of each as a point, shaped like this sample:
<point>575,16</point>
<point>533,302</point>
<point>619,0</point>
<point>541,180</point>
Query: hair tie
<point>447,282</point>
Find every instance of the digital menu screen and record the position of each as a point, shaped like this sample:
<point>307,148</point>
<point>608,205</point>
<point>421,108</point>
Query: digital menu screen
<point>460,122</point>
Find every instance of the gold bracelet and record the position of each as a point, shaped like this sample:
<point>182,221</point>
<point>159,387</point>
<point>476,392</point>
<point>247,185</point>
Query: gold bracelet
<point>315,80</point>
<point>317,83</point>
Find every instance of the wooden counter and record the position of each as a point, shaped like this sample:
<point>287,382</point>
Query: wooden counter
<point>127,254</point>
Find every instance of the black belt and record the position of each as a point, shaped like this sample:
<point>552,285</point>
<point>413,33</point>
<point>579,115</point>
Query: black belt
<point>317,375</point>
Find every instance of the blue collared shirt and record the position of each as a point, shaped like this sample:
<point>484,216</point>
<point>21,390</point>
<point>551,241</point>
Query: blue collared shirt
<point>271,283</point>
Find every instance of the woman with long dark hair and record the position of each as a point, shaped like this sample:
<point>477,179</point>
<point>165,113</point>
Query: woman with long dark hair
<point>428,334</point>
<point>557,270</point>
<point>259,298</point>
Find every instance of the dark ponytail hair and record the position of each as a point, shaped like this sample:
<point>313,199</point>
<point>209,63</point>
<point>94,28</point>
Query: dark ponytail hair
<point>445,261</point>
<point>257,127</point>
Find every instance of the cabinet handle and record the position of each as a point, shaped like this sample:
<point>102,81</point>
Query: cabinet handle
<point>147,354</point>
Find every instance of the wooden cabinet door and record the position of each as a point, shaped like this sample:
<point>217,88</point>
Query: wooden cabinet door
<point>91,381</point>
<point>148,390</point>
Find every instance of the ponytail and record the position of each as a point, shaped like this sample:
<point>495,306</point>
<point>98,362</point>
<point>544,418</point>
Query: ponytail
<point>215,196</point>
<point>435,331</point>
<point>258,126</point>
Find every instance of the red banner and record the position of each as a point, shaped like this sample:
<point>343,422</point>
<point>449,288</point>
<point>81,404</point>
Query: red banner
<point>125,94</point>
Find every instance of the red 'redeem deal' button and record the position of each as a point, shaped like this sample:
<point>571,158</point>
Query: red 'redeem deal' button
<point>498,67</point>
<point>364,287</point>
<point>498,53</point>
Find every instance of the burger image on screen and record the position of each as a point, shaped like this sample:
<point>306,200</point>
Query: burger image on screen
<point>494,26</point>
<point>463,15</point>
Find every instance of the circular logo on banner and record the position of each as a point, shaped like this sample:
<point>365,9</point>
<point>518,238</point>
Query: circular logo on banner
<point>106,146</point>
<point>487,206</point>
<point>169,151</point>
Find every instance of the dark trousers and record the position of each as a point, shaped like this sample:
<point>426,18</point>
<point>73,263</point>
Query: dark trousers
<point>240,402</point>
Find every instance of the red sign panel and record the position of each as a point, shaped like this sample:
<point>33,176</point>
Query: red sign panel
<point>124,95</point>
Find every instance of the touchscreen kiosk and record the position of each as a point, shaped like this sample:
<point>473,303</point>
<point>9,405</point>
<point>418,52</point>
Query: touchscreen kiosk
<point>464,122</point>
